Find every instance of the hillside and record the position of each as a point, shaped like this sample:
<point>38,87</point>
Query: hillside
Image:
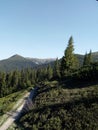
<point>58,108</point>
<point>19,62</point>
<point>15,62</point>
<point>94,57</point>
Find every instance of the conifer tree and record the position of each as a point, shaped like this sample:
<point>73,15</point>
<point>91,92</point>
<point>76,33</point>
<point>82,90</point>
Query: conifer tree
<point>49,72</point>
<point>62,67</point>
<point>90,57</point>
<point>87,58</point>
<point>69,61</point>
<point>56,69</point>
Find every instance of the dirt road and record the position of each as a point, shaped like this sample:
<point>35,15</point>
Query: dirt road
<point>13,115</point>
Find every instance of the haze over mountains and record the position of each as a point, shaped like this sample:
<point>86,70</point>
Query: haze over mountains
<point>20,62</point>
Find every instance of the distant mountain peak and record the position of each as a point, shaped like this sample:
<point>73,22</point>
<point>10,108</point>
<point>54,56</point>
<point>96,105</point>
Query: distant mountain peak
<point>16,55</point>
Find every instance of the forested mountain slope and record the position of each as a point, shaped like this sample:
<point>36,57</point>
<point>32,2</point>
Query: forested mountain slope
<point>18,62</point>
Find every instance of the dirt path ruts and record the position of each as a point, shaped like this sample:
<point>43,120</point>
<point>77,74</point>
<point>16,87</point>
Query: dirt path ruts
<point>14,114</point>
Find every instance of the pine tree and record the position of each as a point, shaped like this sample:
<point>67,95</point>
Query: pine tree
<point>14,80</point>
<point>87,58</point>
<point>56,69</point>
<point>69,61</point>
<point>90,57</point>
<point>49,72</point>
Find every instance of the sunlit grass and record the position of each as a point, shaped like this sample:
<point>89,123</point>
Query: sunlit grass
<point>7,103</point>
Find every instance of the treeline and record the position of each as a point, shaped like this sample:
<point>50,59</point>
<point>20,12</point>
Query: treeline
<point>67,67</point>
<point>12,82</point>
<point>70,68</point>
<point>18,80</point>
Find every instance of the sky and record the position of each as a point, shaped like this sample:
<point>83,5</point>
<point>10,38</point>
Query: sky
<point>42,28</point>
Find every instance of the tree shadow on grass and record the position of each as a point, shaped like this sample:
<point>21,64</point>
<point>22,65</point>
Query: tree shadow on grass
<point>73,84</point>
<point>69,106</point>
<point>86,101</point>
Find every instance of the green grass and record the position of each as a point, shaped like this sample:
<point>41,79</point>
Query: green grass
<point>7,103</point>
<point>55,94</point>
<point>57,107</point>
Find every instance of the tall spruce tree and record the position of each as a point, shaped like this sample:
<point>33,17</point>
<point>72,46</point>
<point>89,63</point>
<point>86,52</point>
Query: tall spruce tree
<point>87,58</point>
<point>69,61</point>
<point>49,72</point>
<point>56,69</point>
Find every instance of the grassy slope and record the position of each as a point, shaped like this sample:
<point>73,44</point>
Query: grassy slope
<point>57,108</point>
<point>7,103</point>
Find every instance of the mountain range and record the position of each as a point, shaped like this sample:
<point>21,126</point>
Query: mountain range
<point>20,62</point>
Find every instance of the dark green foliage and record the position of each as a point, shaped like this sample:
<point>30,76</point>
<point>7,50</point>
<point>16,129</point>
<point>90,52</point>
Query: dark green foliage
<point>63,109</point>
<point>87,73</point>
<point>15,81</point>
<point>49,72</point>
<point>87,59</point>
<point>56,70</point>
<point>69,61</point>
<point>94,57</point>
<point>62,67</point>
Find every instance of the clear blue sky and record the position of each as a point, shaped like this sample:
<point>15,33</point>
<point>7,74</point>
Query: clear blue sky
<point>41,28</point>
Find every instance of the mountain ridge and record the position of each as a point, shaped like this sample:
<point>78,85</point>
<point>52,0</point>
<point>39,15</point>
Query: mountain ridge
<point>19,62</point>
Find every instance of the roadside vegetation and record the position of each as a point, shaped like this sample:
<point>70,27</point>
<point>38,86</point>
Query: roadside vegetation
<point>60,108</point>
<point>8,103</point>
<point>67,97</point>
